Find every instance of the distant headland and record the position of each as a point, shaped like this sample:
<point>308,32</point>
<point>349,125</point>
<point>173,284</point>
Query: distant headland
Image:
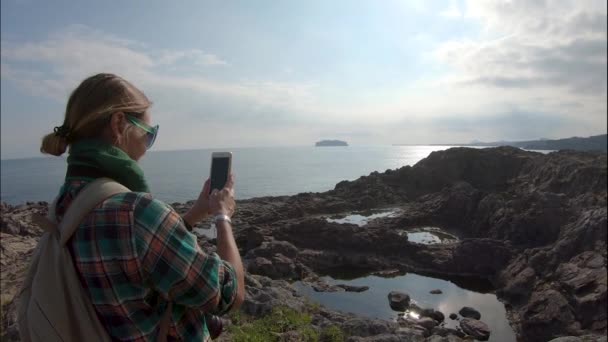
<point>592,143</point>
<point>331,143</point>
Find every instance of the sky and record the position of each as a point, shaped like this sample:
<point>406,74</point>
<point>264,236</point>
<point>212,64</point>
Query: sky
<point>285,73</point>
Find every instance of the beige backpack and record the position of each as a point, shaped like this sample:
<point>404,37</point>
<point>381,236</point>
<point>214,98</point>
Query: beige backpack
<point>53,306</point>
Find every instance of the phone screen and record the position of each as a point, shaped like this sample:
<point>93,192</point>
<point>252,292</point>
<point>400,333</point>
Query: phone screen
<point>219,172</point>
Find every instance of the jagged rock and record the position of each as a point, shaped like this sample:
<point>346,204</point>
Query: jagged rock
<point>478,329</point>
<point>469,312</point>
<point>398,301</point>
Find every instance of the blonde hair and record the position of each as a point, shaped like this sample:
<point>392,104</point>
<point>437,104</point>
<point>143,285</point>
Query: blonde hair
<point>89,109</point>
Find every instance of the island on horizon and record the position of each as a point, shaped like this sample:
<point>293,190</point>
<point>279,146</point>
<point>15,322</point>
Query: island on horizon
<point>331,143</point>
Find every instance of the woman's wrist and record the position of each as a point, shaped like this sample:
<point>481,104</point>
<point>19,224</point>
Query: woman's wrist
<point>221,217</point>
<point>193,218</point>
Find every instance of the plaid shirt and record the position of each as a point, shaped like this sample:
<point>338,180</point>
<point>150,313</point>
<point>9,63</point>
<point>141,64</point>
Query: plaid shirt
<point>131,252</point>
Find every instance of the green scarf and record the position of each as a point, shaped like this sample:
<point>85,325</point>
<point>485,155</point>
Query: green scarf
<point>109,161</point>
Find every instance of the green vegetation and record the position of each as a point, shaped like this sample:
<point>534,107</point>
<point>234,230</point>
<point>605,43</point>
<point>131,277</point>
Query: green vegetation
<point>281,320</point>
<point>332,334</point>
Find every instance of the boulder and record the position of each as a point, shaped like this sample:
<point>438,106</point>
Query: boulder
<point>477,329</point>
<point>434,314</point>
<point>427,323</point>
<point>398,301</point>
<point>469,312</point>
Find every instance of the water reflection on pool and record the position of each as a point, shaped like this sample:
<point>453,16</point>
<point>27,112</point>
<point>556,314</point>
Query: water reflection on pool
<point>374,302</point>
<point>429,235</point>
<point>362,218</point>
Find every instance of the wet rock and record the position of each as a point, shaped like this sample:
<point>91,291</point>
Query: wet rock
<point>437,291</point>
<point>444,332</point>
<point>427,323</point>
<point>398,301</point>
<point>469,312</point>
<point>453,316</point>
<point>434,314</point>
<point>478,329</point>
<point>352,288</point>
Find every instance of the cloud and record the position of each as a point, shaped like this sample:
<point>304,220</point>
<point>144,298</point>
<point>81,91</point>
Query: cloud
<point>542,44</point>
<point>54,66</point>
<point>195,56</point>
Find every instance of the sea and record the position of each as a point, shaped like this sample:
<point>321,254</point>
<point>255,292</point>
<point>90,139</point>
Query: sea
<point>178,176</point>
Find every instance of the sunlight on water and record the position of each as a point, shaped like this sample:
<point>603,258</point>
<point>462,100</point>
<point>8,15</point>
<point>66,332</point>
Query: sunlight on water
<point>362,218</point>
<point>177,176</point>
<point>429,235</point>
<point>374,302</point>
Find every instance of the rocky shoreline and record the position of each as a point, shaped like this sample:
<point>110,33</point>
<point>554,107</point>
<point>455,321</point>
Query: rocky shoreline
<point>532,225</point>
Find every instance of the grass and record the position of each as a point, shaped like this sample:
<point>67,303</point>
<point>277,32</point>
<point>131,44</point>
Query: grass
<point>281,320</point>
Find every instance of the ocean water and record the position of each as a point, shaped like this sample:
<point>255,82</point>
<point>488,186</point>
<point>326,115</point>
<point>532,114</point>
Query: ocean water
<point>177,176</point>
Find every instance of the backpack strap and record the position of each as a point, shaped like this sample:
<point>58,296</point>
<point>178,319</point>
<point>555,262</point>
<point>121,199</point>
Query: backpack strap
<point>86,200</point>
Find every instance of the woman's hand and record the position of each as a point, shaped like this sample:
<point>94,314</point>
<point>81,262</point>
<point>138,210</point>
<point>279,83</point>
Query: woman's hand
<point>222,201</point>
<point>200,208</point>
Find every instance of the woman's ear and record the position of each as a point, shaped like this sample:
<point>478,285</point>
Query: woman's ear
<point>117,123</point>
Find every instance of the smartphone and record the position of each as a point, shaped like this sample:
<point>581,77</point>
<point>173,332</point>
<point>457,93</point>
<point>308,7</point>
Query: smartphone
<point>221,164</point>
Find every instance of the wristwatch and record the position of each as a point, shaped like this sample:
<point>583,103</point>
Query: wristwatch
<point>221,217</point>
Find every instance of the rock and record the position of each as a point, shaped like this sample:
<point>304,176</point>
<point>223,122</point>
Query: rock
<point>442,331</point>
<point>434,314</point>
<point>368,327</point>
<point>352,288</point>
<point>453,316</point>
<point>268,249</point>
<point>260,301</point>
<point>398,301</point>
<point>437,291</point>
<point>427,323</point>
<point>469,312</point>
<point>478,329</point>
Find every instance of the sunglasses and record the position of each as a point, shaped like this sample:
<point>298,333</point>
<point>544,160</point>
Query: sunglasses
<point>151,132</point>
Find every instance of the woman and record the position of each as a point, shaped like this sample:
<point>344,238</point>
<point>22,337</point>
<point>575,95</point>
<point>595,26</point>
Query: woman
<point>133,250</point>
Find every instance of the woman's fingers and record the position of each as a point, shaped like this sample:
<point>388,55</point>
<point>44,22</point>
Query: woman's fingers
<point>206,186</point>
<point>230,182</point>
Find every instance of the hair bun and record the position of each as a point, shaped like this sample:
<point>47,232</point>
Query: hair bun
<point>54,144</point>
